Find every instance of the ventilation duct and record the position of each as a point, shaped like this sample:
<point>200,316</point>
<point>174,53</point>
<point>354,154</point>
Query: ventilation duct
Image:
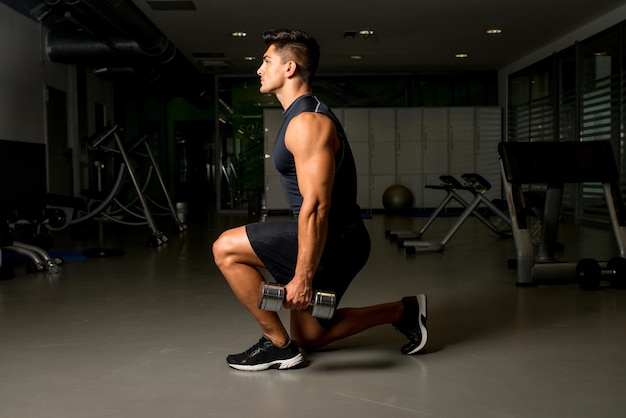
<point>128,20</point>
<point>114,36</point>
<point>83,48</point>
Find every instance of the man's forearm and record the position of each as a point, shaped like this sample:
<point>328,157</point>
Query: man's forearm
<point>312,233</point>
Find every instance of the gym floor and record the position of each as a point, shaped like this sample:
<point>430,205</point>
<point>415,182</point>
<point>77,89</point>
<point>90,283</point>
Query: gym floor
<point>146,334</point>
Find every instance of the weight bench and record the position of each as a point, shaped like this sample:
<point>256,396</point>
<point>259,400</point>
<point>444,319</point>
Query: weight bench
<point>554,164</point>
<point>475,184</point>
<point>450,185</point>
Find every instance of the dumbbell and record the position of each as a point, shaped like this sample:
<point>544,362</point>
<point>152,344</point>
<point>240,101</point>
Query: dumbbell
<point>272,295</point>
<point>589,273</point>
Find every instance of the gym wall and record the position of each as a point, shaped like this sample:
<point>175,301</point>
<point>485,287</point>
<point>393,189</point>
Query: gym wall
<point>21,82</point>
<point>25,75</point>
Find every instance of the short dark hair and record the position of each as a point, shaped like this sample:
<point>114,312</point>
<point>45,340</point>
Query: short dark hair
<point>298,46</point>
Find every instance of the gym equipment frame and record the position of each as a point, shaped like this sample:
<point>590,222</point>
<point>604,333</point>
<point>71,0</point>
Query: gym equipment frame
<point>111,205</point>
<point>554,164</point>
<point>39,258</point>
<point>478,186</point>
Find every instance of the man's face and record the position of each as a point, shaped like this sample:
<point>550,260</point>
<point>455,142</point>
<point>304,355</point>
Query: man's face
<point>271,71</point>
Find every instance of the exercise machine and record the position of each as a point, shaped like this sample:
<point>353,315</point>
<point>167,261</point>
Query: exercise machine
<point>113,207</point>
<point>478,186</point>
<point>552,165</point>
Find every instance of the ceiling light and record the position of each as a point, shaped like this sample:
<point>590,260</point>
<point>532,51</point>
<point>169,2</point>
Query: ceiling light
<point>239,34</point>
<point>366,33</point>
<point>494,31</point>
<point>356,57</point>
<point>249,58</point>
<point>461,55</point>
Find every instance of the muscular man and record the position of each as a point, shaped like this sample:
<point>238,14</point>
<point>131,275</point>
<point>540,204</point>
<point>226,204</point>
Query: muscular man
<point>326,245</point>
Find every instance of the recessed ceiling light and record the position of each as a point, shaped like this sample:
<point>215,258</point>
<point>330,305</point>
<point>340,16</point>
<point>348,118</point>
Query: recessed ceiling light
<point>461,55</point>
<point>239,34</point>
<point>494,31</point>
<point>356,57</point>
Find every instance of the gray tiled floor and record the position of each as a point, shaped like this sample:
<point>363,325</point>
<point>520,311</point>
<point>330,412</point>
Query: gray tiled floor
<point>146,334</point>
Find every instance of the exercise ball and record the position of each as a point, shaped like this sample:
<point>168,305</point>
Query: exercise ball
<point>397,198</point>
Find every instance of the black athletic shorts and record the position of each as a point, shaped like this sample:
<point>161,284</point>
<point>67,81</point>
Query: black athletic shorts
<point>346,252</point>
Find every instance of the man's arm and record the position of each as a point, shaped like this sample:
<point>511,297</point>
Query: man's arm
<point>312,139</point>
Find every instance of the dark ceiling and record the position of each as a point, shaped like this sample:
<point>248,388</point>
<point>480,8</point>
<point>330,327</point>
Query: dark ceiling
<point>409,35</point>
<point>187,40</point>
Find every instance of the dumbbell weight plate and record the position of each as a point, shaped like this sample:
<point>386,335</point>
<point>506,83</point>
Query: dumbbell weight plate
<point>271,297</point>
<point>618,266</point>
<point>588,274</point>
<point>323,305</point>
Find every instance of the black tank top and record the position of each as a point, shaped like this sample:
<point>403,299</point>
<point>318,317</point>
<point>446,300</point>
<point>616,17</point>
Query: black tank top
<point>344,209</point>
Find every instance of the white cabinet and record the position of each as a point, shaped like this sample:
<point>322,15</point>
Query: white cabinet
<point>411,146</point>
<point>356,124</point>
<point>461,140</point>
<point>461,128</point>
<point>382,123</point>
<point>356,127</point>
<point>409,155</point>
<point>435,136</point>
<point>382,142</point>
<point>415,183</point>
<point>274,196</point>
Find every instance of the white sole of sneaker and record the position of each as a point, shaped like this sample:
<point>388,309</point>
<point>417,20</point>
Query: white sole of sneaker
<point>423,313</point>
<point>278,364</point>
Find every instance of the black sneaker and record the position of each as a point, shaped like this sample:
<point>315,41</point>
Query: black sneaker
<point>265,355</point>
<point>413,323</point>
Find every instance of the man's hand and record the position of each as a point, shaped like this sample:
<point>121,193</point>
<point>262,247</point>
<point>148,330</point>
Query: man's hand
<point>298,295</point>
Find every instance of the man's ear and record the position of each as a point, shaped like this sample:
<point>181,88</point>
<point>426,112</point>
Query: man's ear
<point>292,68</point>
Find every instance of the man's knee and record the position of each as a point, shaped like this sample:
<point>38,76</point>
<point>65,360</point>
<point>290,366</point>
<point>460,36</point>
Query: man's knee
<point>230,245</point>
<point>222,247</point>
